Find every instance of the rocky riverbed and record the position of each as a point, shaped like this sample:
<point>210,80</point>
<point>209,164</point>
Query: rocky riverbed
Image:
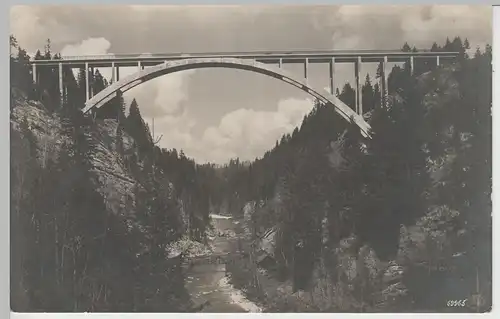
<point>206,279</point>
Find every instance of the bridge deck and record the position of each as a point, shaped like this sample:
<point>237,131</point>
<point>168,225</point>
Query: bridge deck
<point>313,56</point>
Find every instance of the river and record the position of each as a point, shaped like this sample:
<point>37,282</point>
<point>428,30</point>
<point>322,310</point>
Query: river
<point>206,280</point>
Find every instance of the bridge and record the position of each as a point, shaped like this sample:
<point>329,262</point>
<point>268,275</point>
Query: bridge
<point>150,66</point>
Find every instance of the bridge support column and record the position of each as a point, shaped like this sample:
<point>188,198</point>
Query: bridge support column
<point>87,88</point>
<point>280,63</point>
<point>91,81</point>
<point>332,76</point>
<point>381,84</point>
<point>113,72</point>
<point>412,66</point>
<point>306,67</point>
<point>117,73</point>
<point>385,91</point>
<point>139,66</point>
<point>359,95</point>
<point>35,75</point>
<point>437,61</point>
<point>61,83</point>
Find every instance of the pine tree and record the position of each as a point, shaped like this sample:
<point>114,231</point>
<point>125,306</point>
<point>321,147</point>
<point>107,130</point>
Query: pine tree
<point>48,53</point>
<point>81,80</point>
<point>114,109</point>
<point>447,46</point>
<point>369,96</point>
<point>467,188</point>
<point>406,47</point>
<point>397,176</point>
<point>25,218</point>
<point>377,96</point>
<point>348,95</point>
<point>20,72</point>
<point>136,127</point>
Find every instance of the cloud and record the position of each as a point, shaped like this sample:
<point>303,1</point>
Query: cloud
<point>242,133</point>
<point>176,130</point>
<point>32,30</point>
<point>248,133</point>
<point>233,27</point>
<point>163,96</point>
<point>363,26</point>
<point>158,97</point>
<point>90,46</point>
<point>172,91</point>
<point>24,24</point>
<point>205,112</point>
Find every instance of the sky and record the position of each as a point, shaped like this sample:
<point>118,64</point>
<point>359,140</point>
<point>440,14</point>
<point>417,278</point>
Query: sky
<point>214,115</point>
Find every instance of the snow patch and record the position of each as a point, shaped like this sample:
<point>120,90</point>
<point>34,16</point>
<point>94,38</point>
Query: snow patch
<point>174,252</point>
<point>190,248</point>
<point>216,216</point>
<point>237,297</point>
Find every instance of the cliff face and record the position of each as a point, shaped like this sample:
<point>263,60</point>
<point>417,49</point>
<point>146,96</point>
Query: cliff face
<point>71,252</point>
<point>423,248</point>
<point>115,179</point>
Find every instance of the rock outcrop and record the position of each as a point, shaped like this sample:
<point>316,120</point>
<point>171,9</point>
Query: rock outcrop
<point>116,181</point>
<point>357,280</point>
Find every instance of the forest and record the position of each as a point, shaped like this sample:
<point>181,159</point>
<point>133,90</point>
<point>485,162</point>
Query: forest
<point>417,196</point>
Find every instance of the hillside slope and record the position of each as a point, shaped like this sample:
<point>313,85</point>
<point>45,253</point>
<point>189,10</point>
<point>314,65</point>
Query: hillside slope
<point>427,247</point>
<point>117,182</point>
<point>60,210</point>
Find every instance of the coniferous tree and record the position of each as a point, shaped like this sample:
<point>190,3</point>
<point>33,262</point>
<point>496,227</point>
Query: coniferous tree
<point>369,96</point>
<point>81,80</point>
<point>71,92</point>
<point>20,72</point>
<point>74,236</point>
<point>348,95</point>
<point>397,176</point>
<point>406,47</point>
<point>138,129</point>
<point>467,187</point>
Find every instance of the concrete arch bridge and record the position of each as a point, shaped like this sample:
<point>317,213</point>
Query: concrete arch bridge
<point>268,63</point>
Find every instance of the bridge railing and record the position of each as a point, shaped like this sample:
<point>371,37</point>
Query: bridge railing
<point>89,57</point>
<point>247,54</point>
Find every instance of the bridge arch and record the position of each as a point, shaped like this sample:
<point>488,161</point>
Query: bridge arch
<point>168,67</point>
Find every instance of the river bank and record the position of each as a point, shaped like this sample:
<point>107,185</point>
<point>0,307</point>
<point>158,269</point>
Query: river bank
<point>206,279</point>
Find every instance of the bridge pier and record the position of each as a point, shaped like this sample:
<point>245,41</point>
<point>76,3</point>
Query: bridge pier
<point>306,66</point>
<point>437,61</point>
<point>385,82</point>
<point>61,85</point>
<point>117,73</point>
<point>91,81</point>
<point>280,63</point>
<point>112,72</point>
<point>35,76</point>
<point>87,90</point>
<point>359,94</point>
<point>380,85</point>
<point>332,76</point>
